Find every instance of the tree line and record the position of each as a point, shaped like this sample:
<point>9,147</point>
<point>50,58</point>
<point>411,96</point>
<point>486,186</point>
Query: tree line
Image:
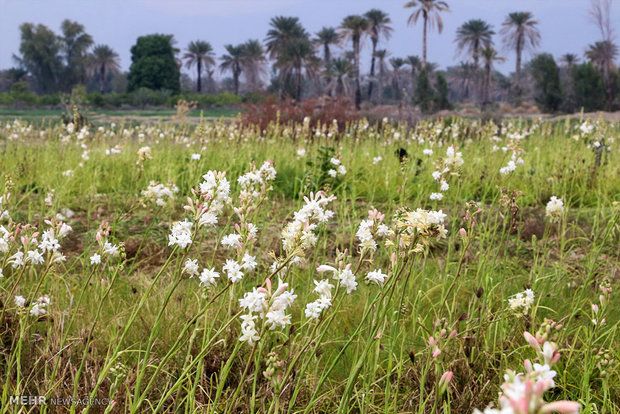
<point>292,62</point>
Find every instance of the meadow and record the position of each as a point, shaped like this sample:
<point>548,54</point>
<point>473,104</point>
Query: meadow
<point>449,266</point>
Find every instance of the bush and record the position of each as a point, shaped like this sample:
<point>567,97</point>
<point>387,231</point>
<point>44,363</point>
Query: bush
<point>320,111</point>
<point>546,75</point>
<point>21,94</point>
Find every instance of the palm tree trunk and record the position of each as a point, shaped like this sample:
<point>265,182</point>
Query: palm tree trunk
<point>198,85</point>
<point>372,68</point>
<point>358,92</point>
<point>327,57</point>
<point>102,78</point>
<point>298,85</point>
<point>424,42</point>
<point>236,81</point>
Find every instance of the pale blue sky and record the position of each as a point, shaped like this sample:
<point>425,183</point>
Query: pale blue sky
<point>564,24</point>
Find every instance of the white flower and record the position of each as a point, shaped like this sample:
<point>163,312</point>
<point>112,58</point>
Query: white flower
<point>436,175</point>
<point>248,262</point>
<point>249,333</point>
<point>17,260</point>
<point>196,157</point>
<point>254,301</point>
<point>233,270</point>
<point>231,241</point>
<point>95,259</point>
<point>277,317</point>
<point>554,209</point>
<point>376,276</point>
<point>444,186</point>
<point>323,288</point>
<point>208,276</point>
<point>342,170</point>
<point>191,267</point>
<point>521,302</point>
<point>436,196</point>
<point>181,234</point>
<point>332,173</point>
<point>377,160</point>
<point>314,309</point>
<point>34,257</point>
<point>335,161</point>
<point>301,152</point>
<point>37,310</point>
<point>347,279</point>
<point>20,301</point>
<point>427,151</point>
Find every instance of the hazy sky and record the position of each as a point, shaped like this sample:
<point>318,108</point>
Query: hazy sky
<point>564,24</point>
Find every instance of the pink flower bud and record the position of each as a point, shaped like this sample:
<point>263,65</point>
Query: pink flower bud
<point>595,308</point>
<point>563,407</point>
<point>463,232</point>
<point>452,334</point>
<point>532,341</point>
<point>436,353</point>
<point>431,341</point>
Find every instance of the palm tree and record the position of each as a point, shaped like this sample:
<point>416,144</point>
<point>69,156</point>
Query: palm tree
<point>570,59</point>
<point>253,62</point>
<point>489,56</point>
<point>199,53</point>
<point>381,54</point>
<point>473,36</point>
<point>429,10</point>
<point>416,66</point>
<point>233,61</point>
<point>396,63</point>
<point>103,60</point>
<point>325,38</point>
<point>297,56</point>
<point>354,27</point>
<point>603,54</point>
<point>520,32</point>
<point>283,30</point>
<point>379,27</point>
<point>341,70</point>
<point>463,77</point>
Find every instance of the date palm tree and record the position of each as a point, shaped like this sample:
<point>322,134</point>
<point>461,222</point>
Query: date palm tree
<point>396,63</point>
<point>416,66</point>
<point>379,28</point>
<point>430,11</point>
<point>569,59</point>
<point>283,30</point>
<point>296,57</point>
<point>103,60</point>
<point>233,61</point>
<point>603,54</point>
<point>253,62</point>
<point>520,32</point>
<point>472,37</point>
<point>381,55</point>
<point>325,39</point>
<point>354,27</point>
<point>341,70</point>
<point>489,56</point>
<point>200,54</point>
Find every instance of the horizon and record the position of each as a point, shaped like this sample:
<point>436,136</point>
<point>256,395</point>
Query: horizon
<point>235,21</point>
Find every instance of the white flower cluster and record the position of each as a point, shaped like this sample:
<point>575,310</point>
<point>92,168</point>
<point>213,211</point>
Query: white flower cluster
<point>252,181</point>
<point>298,235</point>
<point>452,161</point>
<point>324,289</point>
<point>343,275</point>
<point>215,190</point>
<point>555,209</point>
<point>181,234</point>
<point>267,306</point>
<point>522,302</point>
<point>339,168</point>
<point>515,160</point>
<point>37,308</point>
<point>159,193</point>
<point>370,229</point>
<point>4,212</point>
<point>37,253</point>
<point>105,247</point>
<point>416,227</point>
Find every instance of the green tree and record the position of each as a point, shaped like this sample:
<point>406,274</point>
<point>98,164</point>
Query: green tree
<point>354,27</point>
<point>546,76</point>
<point>603,55</point>
<point>75,43</point>
<point>325,38</point>
<point>589,90</point>
<point>253,63</point>
<point>200,54</point>
<point>442,92</point>
<point>430,11</point>
<point>102,61</point>
<point>40,55</point>
<point>341,71</point>
<point>298,56</point>
<point>283,32</point>
<point>396,63</point>
<point>489,56</point>
<point>379,28</point>
<point>424,95</point>
<point>153,64</point>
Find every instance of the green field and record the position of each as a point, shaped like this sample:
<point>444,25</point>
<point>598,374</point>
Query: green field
<point>425,313</point>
